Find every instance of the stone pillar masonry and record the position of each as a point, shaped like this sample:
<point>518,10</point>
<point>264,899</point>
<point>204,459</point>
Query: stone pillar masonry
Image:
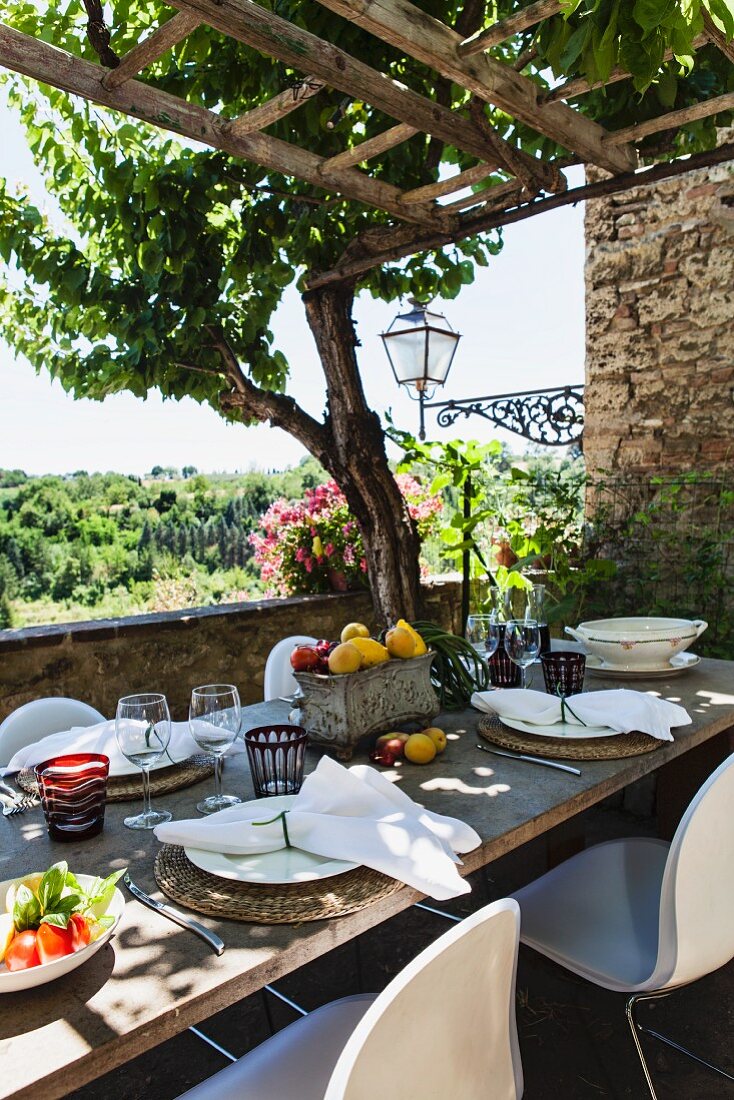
<point>660,327</point>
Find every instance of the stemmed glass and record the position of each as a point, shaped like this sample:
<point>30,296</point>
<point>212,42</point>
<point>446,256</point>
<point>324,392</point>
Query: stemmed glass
<point>143,730</point>
<point>522,643</point>
<point>483,633</point>
<point>215,716</point>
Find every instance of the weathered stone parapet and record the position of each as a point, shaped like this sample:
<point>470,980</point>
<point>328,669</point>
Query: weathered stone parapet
<point>660,326</point>
<point>174,651</point>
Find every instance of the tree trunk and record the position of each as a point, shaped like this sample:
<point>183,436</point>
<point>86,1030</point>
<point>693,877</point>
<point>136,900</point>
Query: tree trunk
<point>357,461</point>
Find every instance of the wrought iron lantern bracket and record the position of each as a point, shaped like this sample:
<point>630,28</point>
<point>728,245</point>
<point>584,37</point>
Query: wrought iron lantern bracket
<point>552,417</point>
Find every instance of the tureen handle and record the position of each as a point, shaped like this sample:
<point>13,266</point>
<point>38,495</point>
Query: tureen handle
<point>700,625</point>
<point>575,634</point>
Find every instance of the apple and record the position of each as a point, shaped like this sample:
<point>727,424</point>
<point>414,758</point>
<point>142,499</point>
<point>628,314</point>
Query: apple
<point>382,756</point>
<point>392,743</point>
<point>304,658</point>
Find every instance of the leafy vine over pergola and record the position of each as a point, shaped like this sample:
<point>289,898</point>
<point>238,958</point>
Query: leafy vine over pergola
<point>346,144</point>
<point>507,182</point>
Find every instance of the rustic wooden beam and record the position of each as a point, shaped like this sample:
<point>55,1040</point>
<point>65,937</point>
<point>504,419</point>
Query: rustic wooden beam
<point>419,35</point>
<point>41,61</point>
<point>674,119</point>
<point>506,28</point>
<point>481,222</point>
<point>254,25</point>
<point>716,36</point>
<point>489,195</point>
<point>580,85</point>
<point>276,108</point>
<point>431,191</point>
<point>372,147</point>
<point>535,175</point>
<point>178,27</point>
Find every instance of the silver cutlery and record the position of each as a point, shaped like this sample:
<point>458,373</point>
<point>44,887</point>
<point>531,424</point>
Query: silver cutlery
<point>17,805</point>
<point>531,760</point>
<point>191,925</point>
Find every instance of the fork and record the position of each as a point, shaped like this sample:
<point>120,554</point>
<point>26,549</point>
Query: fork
<point>17,805</point>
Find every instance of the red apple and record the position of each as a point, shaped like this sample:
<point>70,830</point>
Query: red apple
<point>392,743</point>
<point>304,658</point>
<point>381,756</point>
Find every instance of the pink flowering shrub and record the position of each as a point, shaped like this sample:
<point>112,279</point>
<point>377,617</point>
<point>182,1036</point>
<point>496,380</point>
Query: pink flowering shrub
<point>314,544</point>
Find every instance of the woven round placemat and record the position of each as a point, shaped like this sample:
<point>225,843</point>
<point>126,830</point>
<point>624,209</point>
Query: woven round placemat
<point>590,748</point>
<point>127,788</point>
<point>263,903</point>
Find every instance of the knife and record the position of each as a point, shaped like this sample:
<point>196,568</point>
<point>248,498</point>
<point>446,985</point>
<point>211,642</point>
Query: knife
<point>213,940</point>
<point>531,760</point>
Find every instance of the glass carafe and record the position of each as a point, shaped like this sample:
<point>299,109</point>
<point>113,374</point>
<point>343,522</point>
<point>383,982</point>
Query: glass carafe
<point>535,608</point>
<point>500,601</point>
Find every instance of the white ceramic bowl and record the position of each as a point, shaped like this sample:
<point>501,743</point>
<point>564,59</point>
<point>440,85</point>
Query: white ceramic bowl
<point>639,643</point>
<point>13,981</point>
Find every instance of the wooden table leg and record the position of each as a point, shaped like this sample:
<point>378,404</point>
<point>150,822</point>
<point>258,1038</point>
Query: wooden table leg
<point>679,779</point>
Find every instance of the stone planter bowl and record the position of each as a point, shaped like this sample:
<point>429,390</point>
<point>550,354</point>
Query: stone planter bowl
<point>339,710</point>
<point>637,644</point>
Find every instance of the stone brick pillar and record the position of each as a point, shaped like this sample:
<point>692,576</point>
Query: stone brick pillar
<point>660,327</point>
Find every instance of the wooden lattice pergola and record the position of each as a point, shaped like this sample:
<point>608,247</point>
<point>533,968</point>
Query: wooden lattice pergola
<point>527,184</point>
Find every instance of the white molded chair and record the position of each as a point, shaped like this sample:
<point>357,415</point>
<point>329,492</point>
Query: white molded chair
<point>39,718</point>
<point>644,916</point>
<point>279,679</point>
<point>444,1027</point>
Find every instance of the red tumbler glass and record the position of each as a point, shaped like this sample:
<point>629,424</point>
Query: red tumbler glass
<point>73,792</point>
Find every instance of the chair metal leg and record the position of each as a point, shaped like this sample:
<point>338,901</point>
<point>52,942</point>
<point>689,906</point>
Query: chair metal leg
<point>634,1027</point>
<point>437,912</point>
<point>637,1027</point>
<point>211,1043</point>
<point>286,1000</point>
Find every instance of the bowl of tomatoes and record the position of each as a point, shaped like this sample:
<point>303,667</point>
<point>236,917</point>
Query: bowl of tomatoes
<point>52,922</point>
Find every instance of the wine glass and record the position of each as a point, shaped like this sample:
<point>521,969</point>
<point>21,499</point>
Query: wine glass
<point>214,720</point>
<point>522,643</point>
<point>483,633</point>
<point>143,730</point>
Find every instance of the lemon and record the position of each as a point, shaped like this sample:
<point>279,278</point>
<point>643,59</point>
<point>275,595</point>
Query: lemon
<point>32,881</point>
<point>372,652</point>
<point>437,736</point>
<point>354,630</point>
<point>419,749</point>
<point>400,643</point>
<point>420,645</point>
<point>344,659</point>
<point>7,932</point>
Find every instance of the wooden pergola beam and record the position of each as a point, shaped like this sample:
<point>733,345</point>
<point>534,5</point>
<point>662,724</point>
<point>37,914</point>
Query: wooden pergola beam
<point>491,197</point>
<point>372,147</point>
<point>50,65</point>
<point>674,119</point>
<point>480,222</point>
<point>716,36</point>
<point>169,34</point>
<point>276,108</point>
<point>506,28</point>
<point>419,35</point>
<point>431,191</point>
<point>580,85</point>
<point>254,25</point>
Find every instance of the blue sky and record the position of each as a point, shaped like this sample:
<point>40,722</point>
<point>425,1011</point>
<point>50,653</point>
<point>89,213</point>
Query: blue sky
<point>522,325</point>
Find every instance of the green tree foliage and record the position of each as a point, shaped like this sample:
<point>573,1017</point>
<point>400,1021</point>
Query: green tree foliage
<point>88,539</point>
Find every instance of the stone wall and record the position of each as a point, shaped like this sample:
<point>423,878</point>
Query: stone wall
<point>660,327</point>
<point>172,652</point>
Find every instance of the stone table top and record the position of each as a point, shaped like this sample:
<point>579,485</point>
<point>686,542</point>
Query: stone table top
<point>154,979</point>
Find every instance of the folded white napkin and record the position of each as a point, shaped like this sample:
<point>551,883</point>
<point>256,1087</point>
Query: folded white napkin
<point>620,709</point>
<point>354,814</point>
<point>101,738</point>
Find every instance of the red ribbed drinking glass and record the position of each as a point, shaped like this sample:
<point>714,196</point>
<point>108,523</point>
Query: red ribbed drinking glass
<point>277,755</point>
<point>73,792</point>
<point>563,671</point>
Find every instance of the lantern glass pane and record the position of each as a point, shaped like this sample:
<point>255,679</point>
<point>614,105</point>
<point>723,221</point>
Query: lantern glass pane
<point>441,348</point>
<point>407,353</point>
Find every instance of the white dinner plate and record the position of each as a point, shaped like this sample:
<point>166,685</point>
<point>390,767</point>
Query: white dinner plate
<point>559,729</point>
<point>682,662</point>
<point>283,867</point>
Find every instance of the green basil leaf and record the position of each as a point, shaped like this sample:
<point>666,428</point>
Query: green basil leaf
<point>106,921</point>
<point>52,885</point>
<point>27,910</point>
<point>58,920</point>
<point>73,883</point>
